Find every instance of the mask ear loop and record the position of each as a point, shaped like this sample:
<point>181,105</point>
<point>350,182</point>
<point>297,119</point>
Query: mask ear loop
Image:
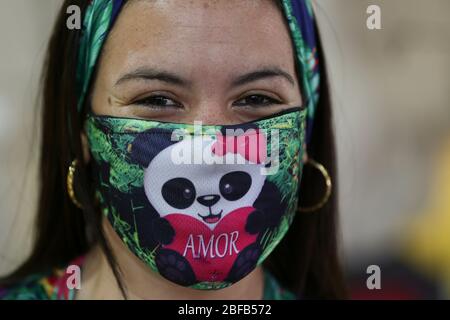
<point>328,184</point>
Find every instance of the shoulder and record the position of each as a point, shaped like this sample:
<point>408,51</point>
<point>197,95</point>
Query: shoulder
<point>49,285</point>
<point>273,289</point>
<point>34,287</point>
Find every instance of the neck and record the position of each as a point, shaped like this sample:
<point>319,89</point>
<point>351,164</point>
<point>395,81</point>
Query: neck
<point>98,281</point>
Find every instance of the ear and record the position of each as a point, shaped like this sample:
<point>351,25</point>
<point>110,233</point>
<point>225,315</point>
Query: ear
<point>85,147</point>
<point>147,145</point>
<point>305,154</point>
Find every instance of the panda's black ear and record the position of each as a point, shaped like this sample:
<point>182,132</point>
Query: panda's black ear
<point>147,145</point>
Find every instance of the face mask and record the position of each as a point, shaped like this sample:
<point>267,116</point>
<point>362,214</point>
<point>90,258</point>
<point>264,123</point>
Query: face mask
<point>200,205</point>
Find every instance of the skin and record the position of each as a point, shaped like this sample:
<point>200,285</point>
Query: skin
<point>219,62</point>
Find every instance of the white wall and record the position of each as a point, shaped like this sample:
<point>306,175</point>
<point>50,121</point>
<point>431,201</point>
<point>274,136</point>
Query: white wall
<point>24,30</point>
<point>392,108</point>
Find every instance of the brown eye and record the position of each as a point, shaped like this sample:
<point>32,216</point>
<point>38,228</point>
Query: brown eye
<point>158,102</point>
<point>256,100</point>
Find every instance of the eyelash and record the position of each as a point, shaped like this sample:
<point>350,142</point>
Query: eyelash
<point>270,101</point>
<point>150,102</point>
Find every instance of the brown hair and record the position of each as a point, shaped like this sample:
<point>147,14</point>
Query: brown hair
<point>306,260</point>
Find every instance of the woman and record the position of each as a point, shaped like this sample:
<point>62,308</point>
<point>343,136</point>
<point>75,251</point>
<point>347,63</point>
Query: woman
<point>143,225</point>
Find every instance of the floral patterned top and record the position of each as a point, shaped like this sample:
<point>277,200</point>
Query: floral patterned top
<point>52,286</point>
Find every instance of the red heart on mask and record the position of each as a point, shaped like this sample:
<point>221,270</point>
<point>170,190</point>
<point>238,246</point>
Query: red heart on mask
<point>211,253</point>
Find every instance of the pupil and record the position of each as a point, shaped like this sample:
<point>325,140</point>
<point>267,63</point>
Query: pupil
<point>227,188</point>
<point>255,99</point>
<point>160,100</point>
<point>187,193</point>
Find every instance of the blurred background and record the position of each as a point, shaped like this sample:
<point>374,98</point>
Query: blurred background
<point>392,115</point>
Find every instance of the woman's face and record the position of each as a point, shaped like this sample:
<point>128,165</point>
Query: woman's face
<point>219,62</point>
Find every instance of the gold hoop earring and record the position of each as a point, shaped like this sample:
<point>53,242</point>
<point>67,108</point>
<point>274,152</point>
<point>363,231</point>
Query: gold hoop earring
<point>328,185</point>
<point>70,179</point>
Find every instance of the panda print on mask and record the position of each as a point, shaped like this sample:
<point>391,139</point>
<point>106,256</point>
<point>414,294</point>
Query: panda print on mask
<point>204,220</point>
<point>208,225</point>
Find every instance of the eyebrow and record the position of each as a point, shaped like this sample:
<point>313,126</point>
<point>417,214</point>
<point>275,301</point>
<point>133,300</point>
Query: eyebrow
<point>268,72</point>
<point>154,74</point>
<point>147,73</point>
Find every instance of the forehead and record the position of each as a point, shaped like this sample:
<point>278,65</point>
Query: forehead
<point>205,33</point>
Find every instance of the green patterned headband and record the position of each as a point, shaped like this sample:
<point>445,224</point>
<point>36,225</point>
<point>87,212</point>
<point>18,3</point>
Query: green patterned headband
<point>101,15</point>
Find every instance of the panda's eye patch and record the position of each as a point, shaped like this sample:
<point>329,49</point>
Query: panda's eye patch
<point>179,193</point>
<point>234,185</point>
